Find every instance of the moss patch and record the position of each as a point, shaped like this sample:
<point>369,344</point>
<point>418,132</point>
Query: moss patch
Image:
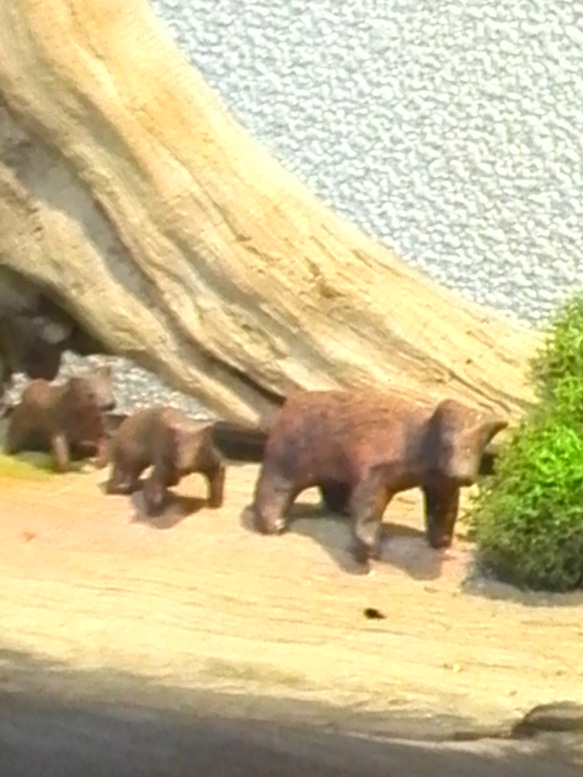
<point>32,467</point>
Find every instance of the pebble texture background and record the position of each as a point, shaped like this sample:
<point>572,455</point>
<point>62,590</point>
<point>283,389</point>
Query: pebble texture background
<point>452,129</point>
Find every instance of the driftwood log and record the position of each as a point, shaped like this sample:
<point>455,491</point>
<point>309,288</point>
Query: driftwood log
<point>134,209</point>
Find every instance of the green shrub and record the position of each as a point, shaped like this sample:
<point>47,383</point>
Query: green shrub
<point>527,518</point>
<point>557,368</point>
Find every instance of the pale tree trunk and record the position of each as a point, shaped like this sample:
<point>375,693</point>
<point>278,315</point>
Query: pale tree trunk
<point>130,195</point>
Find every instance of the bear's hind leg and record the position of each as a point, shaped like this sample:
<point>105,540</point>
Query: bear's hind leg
<point>336,496</point>
<point>216,482</point>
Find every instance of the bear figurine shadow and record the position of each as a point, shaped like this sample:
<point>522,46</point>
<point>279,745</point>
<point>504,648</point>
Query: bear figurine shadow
<point>403,547</point>
<point>176,508</point>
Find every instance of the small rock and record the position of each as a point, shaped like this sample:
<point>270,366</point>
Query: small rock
<point>454,667</point>
<point>556,716</point>
<point>373,614</point>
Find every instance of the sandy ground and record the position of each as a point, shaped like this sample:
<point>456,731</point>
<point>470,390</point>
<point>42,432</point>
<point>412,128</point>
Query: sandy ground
<point>200,601</point>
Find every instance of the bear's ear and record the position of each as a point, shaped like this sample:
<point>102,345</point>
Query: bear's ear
<point>448,419</point>
<point>487,430</point>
